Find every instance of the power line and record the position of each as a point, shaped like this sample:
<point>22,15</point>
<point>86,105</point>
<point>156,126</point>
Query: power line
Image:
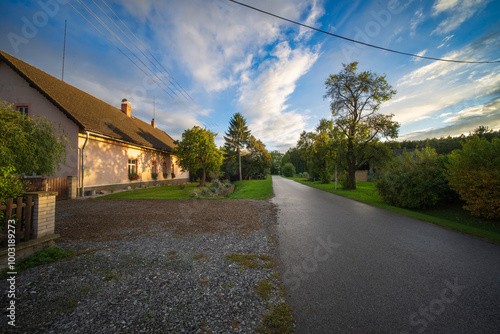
<point>186,94</point>
<point>363,43</point>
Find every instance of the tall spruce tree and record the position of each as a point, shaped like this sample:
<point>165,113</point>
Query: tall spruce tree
<point>237,136</point>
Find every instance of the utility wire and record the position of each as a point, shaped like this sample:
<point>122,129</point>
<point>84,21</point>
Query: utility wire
<point>362,43</point>
<point>117,38</point>
<point>186,94</point>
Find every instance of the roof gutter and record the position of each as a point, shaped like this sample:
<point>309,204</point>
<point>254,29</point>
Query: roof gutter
<point>123,141</point>
<point>82,190</point>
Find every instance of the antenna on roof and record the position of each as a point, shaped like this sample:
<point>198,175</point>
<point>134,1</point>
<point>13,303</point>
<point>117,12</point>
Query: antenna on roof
<point>64,48</point>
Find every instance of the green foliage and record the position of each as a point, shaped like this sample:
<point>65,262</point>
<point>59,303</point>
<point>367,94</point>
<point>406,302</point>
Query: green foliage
<point>414,180</point>
<point>256,159</point>
<point>278,320</point>
<point>289,169</point>
<point>355,99</point>
<point>11,185</point>
<point>237,137</point>
<point>197,150</point>
<point>474,173</point>
<point>294,156</point>
<point>46,255</point>
<point>154,176</point>
<point>31,145</point>
<point>133,176</point>
<point>276,157</point>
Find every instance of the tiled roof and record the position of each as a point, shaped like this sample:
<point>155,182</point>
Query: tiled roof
<point>89,112</point>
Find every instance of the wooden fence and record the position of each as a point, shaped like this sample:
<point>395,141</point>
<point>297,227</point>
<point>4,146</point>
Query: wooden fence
<point>22,211</point>
<point>55,184</point>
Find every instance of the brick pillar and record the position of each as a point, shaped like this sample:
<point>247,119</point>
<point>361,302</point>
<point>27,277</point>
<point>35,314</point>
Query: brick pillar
<point>44,213</point>
<point>72,187</point>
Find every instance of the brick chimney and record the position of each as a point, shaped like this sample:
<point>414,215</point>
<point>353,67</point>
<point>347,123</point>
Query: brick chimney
<point>126,108</point>
<point>153,123</point>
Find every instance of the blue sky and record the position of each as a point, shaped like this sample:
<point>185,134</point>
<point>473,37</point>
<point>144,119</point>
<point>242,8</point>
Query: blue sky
<point>229,59</point>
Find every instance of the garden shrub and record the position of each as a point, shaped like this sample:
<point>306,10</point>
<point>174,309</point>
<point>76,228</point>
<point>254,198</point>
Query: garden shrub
<point>11,185</point>
<point>414,180</point>
<point>474,173</point>
<point>289,169</point>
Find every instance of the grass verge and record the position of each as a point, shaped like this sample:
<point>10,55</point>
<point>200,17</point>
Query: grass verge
<point>253,189</point>
<point>166,192</point>
<point>450,216</point>
<point>46,255</point>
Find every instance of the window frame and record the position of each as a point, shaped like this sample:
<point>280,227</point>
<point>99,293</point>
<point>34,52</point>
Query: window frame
<point>132,164</point>
<point>23,105</point>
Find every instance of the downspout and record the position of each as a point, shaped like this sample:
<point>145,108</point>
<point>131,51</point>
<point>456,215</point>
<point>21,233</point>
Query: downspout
<point>82,191</point>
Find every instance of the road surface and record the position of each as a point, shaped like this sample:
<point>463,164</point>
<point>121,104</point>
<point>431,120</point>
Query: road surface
<point>352,268</point>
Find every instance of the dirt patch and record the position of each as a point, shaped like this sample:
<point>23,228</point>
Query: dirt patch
<point>117,219</point>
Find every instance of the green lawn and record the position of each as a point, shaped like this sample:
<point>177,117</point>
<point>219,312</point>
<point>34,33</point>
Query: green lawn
<point>166,192</point>
<point>254,189</point>
<point>451,216</point>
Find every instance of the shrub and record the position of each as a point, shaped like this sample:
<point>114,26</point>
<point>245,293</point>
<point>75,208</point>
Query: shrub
<point>154,176</point>
<point>474,173</point>
<point>11,185</point>
<point>414,180</point>
<point>289,169</point>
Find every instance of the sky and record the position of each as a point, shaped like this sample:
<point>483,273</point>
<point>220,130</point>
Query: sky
<point>197,62</point>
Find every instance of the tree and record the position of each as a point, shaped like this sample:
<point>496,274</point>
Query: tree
<point>474,173</point>
<point>355,99</point>
<point>294,156</point>
<point>30,144</point>
<point>257,159</point>
<point>319,149</point>
<point>276,157</point>
<point>289,170</point>
<point>237,136</point>
<point>197,150</point>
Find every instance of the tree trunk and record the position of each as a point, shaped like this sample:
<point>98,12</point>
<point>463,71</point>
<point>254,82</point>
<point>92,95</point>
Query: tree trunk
<point>239,162</point>
<point>351,166</point>
<point>203,177</point>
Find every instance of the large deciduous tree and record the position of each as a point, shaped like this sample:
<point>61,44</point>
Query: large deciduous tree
<point>197,150</point>
<point>256,157</point>
<point>30,144</point>
<point>355,99</point>
<point>237,136</point>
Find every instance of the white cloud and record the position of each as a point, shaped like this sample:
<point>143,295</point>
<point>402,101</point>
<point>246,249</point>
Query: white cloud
<point>421,54</point>
<point>488,110</point>
<point>417,19</point>
<point>458,12</point>
<point>264,98</point>
<point>445,40</point>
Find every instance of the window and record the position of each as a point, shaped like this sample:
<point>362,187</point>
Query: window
<point>154,168</point>
<point>164,168</point>
<point>23,108</point>
<point>173,169</point>
<point>132,166</point>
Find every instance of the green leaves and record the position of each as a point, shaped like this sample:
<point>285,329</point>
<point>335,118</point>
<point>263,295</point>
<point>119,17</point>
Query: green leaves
<point>197,150</point>
<point>31,145</point>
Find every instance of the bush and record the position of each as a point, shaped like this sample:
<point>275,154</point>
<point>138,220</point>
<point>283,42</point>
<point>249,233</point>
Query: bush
<point>11,185</point>
<point>289,169</point>
<point>414,180</point>
<point>474,173</point>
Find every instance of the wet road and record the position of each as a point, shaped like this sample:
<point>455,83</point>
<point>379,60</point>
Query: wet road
<point>352,268</point>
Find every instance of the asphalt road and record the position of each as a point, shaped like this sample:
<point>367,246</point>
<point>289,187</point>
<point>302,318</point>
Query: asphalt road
<point>352,268</point>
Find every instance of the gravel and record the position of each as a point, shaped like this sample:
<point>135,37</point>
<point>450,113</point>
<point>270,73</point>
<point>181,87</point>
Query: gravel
<point>150,268</point>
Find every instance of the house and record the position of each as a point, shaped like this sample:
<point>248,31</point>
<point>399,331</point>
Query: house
<point>108,144</point>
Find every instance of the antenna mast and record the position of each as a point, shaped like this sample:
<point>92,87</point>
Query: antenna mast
<point>64,48</point>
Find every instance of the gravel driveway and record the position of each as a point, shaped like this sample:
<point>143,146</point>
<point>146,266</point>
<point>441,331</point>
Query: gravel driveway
<point>154,266</point>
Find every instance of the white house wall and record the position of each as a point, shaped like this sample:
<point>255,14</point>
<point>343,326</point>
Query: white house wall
<point>14,89</point>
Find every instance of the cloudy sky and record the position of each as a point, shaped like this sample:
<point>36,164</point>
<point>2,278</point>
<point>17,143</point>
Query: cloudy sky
<point>203,60</point>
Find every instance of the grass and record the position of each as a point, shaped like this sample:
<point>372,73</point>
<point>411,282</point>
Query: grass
<point>278,320</point>
<point>166,192</point>
<point>263,289</point>
<point>46,255</point>
<point>253,189</point>
<point>450,216</point>
<point>251,260</point>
